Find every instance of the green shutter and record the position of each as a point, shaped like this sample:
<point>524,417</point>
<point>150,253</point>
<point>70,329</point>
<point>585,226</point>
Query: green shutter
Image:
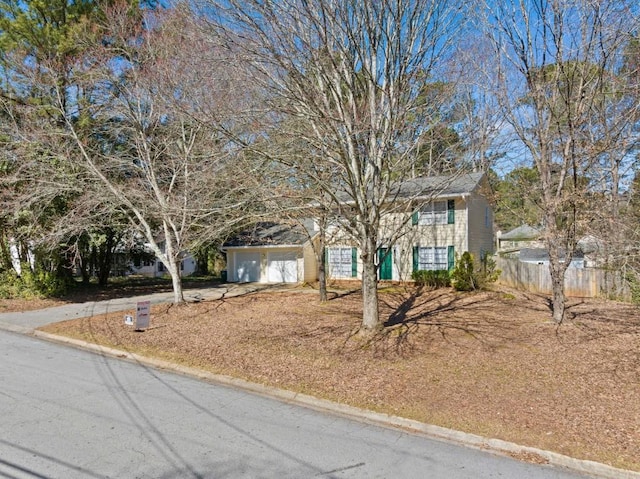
<point>354,262</point>
<point>414,218</point>
<point>415,258</point>
<point>451,212</point>
<point>451,258</point>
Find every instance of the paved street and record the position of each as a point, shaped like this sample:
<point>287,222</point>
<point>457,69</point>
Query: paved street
<point>68,413</point>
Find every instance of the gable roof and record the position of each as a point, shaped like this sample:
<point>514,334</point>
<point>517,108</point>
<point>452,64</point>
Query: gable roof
<point>440,186</point>
<point>445,186</point>
<point>524,232</point>
<point>269,233</point>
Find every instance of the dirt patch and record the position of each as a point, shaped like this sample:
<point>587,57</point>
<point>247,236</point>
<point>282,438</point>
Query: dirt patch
<point>489,363</point>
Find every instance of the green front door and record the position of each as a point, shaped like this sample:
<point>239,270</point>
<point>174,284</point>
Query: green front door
<point>385,261</point>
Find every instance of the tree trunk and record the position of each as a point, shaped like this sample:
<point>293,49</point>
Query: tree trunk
<point>557,271</point>
<point>84,254</point>
<point>370,314</point>
<point>5,252</point>
<point>558,297</point>
<point>321,255</point>
<point>176,281</point>
<point>105,257</point>
<point>322,275</point>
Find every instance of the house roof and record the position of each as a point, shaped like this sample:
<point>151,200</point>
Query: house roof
<point>442,186</point>
<point>541,254</point>
<point>524,232</point>
<point>446,186</point>
<point>270,233</point>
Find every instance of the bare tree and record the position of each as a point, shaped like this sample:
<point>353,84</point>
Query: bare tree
<point>352,72</point>
<point>133,138</point>
<point>555,62</point>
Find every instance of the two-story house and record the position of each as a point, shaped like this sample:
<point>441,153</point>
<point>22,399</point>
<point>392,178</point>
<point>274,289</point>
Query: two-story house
<point>438,217</point>
<point>435,218</point>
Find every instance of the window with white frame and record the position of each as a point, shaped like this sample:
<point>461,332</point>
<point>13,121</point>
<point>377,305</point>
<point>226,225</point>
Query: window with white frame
<point>432,258</point>
<point>340,261</point>
<point>433,213</point>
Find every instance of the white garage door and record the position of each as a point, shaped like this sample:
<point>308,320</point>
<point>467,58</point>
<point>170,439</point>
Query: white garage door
<point>282,268</point>
<point>247,267</point>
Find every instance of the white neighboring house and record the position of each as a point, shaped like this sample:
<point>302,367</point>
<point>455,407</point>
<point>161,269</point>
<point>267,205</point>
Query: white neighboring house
<point>523,236</point>
<point>15,256</point>
<point>153,267</point>
<point>272,252</point>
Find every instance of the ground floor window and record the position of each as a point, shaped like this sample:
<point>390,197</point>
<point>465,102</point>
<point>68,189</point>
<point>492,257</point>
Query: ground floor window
<point>342,262</point>
<point>433,258</point>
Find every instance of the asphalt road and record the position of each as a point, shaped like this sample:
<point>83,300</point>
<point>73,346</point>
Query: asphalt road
<point>68,413</point>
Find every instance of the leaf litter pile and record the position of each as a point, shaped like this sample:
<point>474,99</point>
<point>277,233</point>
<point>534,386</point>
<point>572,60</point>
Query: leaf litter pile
<point>489,363</point>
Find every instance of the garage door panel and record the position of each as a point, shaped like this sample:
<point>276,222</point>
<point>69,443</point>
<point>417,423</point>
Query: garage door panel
<point>282,267</point>
<point>247,267</point>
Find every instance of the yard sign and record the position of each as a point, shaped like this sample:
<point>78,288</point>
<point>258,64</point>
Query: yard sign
<point>143,314</point>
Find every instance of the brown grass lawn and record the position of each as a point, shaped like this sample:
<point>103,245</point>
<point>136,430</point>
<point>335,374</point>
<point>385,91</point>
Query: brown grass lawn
<point>489,363</point>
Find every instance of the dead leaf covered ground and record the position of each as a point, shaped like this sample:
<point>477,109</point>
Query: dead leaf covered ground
<point>489,363</point>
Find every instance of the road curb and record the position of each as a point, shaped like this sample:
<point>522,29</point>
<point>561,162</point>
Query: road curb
<point>495,445</point>
<point>14,328</point>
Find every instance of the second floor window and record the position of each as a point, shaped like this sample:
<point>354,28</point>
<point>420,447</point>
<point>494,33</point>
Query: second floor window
<point>440,212</point>
<point>434,213</point>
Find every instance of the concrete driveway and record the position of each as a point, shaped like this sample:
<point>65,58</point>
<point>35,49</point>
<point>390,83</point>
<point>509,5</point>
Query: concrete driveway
<point>26,322</point>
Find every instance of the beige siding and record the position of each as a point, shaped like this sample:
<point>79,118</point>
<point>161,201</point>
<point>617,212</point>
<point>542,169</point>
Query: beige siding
<point>480,225</point>
<point>424,235</point>
<point>310,264</point>
<point>515,245</point>
<point>467,233</point>
<point>472,231</point>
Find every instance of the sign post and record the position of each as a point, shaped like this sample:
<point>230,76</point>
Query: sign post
<point>143,315</point>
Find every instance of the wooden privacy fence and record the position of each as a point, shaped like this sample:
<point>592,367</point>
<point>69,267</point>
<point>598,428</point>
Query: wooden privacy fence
<point>578,282</point>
